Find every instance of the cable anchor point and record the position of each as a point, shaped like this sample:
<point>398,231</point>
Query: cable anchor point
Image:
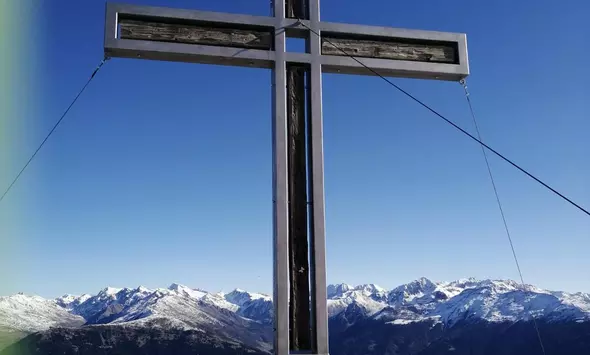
<point>463,83</point>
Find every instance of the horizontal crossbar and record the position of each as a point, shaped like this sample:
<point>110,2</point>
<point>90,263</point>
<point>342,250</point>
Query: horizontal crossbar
<point>167,34</point>
<point>203,54</point>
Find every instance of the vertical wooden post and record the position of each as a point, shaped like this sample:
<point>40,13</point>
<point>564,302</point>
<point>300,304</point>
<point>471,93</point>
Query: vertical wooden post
<point>297,9</point>
<point>299,304</point>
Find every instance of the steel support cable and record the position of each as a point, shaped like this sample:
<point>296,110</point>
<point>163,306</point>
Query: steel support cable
<point>53,129</point>
<point>451,122</point>
<point>482,145</point>
<point>499,203</point>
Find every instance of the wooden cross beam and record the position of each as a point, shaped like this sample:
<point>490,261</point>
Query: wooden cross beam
<point>243,40</point>
<point>168,34</point>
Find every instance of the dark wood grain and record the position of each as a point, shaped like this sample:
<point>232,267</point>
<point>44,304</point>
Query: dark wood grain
<point>297,9</point>
<point>438,53</point>
<point>299,305</point>
<point>195,34</point>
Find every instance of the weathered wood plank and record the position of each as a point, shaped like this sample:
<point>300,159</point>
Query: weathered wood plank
<point>195,34</point>
<point>299,306</point>
<point>437,53</point>
<point>296,9</point>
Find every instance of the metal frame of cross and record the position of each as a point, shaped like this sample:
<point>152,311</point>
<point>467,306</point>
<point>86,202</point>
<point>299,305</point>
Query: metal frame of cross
<point>257,41</point>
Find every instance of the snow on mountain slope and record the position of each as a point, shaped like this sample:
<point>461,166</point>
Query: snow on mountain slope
<point>254,306</point>
<point>109,303</point>
<point>241,297</point>
<point>195,311</point>
<point>467,299</point>
<point>335,291</point>
<point>215,299</point>
<point>499,301</point>
<point>577,300</point>
<point>33,313</point>
<point>121,305</point>
<point>70,302</point>
<point>182,307</point>
<point>162,304</point>
<point>369,298</point>
<point>184,290</point>
<point>241,314</point>
<point>220,301</point>
<point>422,294</point>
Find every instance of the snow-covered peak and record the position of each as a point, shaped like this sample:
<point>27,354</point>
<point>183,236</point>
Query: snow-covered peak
<point>69,302</point>
<point>505,301</point>
<point>417,287</point>
<point>419,300</point>
<point>67,298</point>
<point>501,286</point>
<point>177,287</point>
<point>338,290</point>
<point>491,300</point>
<point>241,298</point>
<point>368,297</point>
<point>143,289</point>
<point>370,289</point>
<point>21,299</point>
<point>255,306</point>
<point>463,283</point>
<point>186,291</point>
<point>507,285</point>
<point>109,292</point>
<point>109,302</point>
<point>33,313</point>
<point>418,292</point>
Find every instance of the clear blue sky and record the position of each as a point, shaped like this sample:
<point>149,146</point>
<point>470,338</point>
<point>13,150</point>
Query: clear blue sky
<point>161,173</point>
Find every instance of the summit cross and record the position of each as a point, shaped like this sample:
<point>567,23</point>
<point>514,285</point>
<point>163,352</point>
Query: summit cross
<point>182,35</point>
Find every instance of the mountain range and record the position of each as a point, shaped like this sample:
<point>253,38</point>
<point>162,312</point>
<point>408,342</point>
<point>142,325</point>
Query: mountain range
<point>466,316</point>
